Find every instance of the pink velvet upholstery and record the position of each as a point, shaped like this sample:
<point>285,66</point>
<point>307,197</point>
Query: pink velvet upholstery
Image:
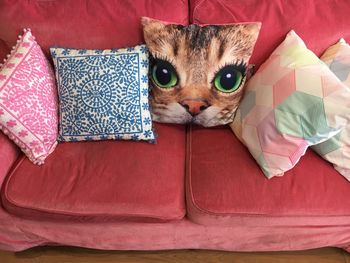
<point>18,234</point>
<point>318,23</point>
<point>4,50</point>
<point>97,24</point>
<point>225,186</point>
<point>106,24</point>
<point>107,180</point>
<point>9,153</point>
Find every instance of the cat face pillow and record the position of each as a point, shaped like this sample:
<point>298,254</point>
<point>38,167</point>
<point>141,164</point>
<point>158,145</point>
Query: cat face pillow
<point>197,72</point>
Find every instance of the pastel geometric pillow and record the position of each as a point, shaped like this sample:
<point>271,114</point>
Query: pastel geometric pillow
<point>337,57</point>
<point>28,99</point>
<point>292,102</point>
<point>337,149</point>
<point>103,94</point>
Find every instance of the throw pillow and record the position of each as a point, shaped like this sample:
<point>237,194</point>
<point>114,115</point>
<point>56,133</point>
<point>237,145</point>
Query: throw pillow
<point>292,102</point>
<point>103,94</point>
<point>28,99</point>
<point>337,149</point>
<point>198,71</point>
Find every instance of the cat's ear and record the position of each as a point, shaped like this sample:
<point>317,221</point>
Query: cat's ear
<point>252,28</point>
<point>242,38</point>
<point>158,35</point>
<point>147,22</point>
<point>151,26</point>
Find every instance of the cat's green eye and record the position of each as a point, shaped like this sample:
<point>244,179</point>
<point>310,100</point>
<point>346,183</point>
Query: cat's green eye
<point>228,79</point>
<point>164,74</point>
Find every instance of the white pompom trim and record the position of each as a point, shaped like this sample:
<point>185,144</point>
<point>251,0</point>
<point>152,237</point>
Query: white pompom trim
<point>13,49</point>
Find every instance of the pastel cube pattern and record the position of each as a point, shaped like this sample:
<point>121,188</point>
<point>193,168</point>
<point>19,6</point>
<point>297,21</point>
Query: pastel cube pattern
<point>337,149</point>
<point>28,99</point>
<point>292,102</point>
<point>103,94</point>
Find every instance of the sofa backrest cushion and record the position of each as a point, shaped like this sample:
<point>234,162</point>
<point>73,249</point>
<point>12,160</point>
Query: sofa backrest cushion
<point>83,23</point>
<point>318,23</point>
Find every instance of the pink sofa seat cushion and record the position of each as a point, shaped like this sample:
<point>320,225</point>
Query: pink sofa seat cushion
<point>226,186</point>
<point>106,180</point>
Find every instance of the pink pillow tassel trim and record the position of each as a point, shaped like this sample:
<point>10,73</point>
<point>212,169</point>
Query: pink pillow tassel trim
<point>28,99</point>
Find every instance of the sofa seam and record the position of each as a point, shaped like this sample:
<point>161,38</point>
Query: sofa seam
<point>61,213</point>
<point>192,19</point>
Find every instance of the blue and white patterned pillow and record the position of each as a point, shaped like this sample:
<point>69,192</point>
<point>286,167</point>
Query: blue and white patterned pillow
<point>103,94</point>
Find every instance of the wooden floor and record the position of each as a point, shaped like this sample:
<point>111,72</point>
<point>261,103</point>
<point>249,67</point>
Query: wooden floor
<point>80,255</point>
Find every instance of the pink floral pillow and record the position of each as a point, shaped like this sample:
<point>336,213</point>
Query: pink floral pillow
<point>28,99</point>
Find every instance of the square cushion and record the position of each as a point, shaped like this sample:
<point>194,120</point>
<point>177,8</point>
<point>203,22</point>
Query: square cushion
<point>28,99</point>
<point>197,72</point>
<point>103,94</point>
<point>337,149</point>
<point>337,58</point>
<point>226,187</point>
<point>292,102</point>
<point>105,180</point>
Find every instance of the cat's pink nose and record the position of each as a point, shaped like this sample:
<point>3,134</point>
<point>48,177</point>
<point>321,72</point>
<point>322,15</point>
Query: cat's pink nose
<point>194,107</point>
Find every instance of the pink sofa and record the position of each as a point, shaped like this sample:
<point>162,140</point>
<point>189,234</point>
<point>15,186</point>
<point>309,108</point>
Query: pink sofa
<point>197,187</point>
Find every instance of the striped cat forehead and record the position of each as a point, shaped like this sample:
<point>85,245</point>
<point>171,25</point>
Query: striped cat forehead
<point>160,36</point>
<point>199,37</point>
